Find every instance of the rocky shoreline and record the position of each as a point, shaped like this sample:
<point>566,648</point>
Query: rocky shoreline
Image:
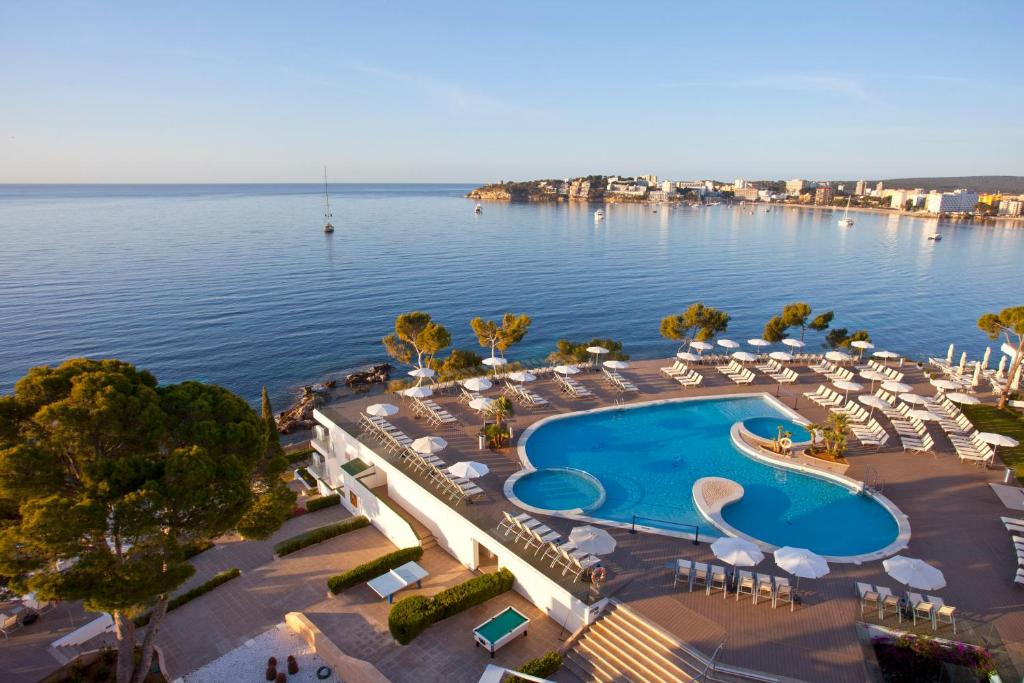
<point>300,416</point>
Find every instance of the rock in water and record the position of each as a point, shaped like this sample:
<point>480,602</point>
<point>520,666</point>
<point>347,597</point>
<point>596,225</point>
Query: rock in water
<point>375,375</point>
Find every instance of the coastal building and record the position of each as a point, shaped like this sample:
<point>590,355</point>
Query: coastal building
<point>651,180</point>
<point>750,194</point>
<point>1011,207</point>
<point>879,186</point>
<point>992,199</point>
<point>668,187</point>
<point>958,201</point>
<point>739,184</point>
<point>860,188</point>
<point>796,186</point>
<point>824,195</point>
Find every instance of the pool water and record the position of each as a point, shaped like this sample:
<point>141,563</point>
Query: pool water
<point>768,428</point>
<point>647,459</point>
<point>556,489</point>
<point>497,626</point>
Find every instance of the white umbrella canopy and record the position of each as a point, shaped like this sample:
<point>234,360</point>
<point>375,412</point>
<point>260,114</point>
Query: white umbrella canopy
<point>963,362</point>
<point>998,439</point>
<point>567,369</point>
<point>419,392</point>
<point>477,384</point>
<point>838,356</point>
<point>795,343</point>
<point>728,344</point>
<point>801,563</point>
<point>597,350</point>
<point>759,342</point>
<point>615,364</point>
<point>381,410</point>
<point>495,362</point>
<point>949,355</point>
<point>422,373</point>
<point>913,399</point>
<point>428,445</point>
<point>686,355</point>
<point>482,403</point>
<point>944,384</point>
<point>469,469</point>
<point>592,540</point>
<point>963,399</point>
<point>976,380</point>
<point>738,552</point>
<point>885,355</point>
<point>873,375</point>
<point>897,387</point>
<point>873,401</point>
<point>744,357</point>
<point>914,573</point>
<point>522,376</point>
<point>986,357</point>
<point>1001,372</point>
<point>924,415</point>
<point>861,344</point>
<point>848,386</point>
<point>780,355</point>
<point>701,346</point>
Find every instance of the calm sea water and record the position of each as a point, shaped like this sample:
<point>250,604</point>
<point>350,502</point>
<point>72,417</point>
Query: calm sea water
<point>238,285</point>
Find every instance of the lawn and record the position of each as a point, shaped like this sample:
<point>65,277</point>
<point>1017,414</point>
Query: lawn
<point>991,419</point>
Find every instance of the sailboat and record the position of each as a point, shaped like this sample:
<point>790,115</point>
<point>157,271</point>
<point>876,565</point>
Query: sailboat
<point>328,228</point>
<point>846,221</point>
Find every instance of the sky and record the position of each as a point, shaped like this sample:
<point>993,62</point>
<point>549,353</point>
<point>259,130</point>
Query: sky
<point>480,92</point>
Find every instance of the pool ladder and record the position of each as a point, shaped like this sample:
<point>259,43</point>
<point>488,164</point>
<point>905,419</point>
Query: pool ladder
<point>872,481</point>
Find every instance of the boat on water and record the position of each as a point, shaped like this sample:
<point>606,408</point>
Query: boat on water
<point>328,227</point>
<point>599,215</point>
<point>846,221</point>
<point>478,209</point>
<point>935,236</point>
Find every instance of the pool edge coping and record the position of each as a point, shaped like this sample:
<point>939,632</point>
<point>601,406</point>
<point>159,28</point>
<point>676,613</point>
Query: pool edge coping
<point>570,513</point>
<point>901,541</point>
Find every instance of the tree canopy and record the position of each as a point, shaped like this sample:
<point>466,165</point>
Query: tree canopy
<point>696,323</point>
<point>840,337</point>
<point>1008,323</point>
<point>822,321</point>
<point>567,351</point>
<point>416,335</point>
<point>493,335</point>
<point>111,476</point>
<point>774,330</point>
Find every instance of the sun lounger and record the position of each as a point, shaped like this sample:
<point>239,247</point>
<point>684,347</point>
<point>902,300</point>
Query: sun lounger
<point>943,612</point>
<point>868,596</point>
<point>719,580</point>
<point>921,608</point>
<point>683,571</point>
<point>764,587</point>
<point>700,575</point>
<point>744,584</point>
<point>889,602</point>
<point>783,593</point>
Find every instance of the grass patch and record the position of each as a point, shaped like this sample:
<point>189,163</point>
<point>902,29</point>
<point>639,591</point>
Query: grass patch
<point>314,536</point>
<point>373,568</point>
<point>188,596</point>
<point>542,667</point>
<point>306,477</point>
<point>991,419</point>
<point>412,615</point>
<point>323,502</point>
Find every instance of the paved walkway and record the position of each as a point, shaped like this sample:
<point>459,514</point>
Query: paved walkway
<point>216,623</point>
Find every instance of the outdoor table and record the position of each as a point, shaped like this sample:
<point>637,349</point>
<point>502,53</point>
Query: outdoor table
<point>386,585</point>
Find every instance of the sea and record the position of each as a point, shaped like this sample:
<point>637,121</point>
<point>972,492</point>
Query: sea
<point>239,286</point>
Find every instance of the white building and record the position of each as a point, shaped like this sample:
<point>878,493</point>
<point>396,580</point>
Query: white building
<point>1011,207</point>
<point>668,187</point>
<point>739,184</point>
<point>958,201</point>
<point>860,188</point>
<point>796,186</point>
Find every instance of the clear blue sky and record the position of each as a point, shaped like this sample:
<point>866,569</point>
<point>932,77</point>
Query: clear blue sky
<point>383,91</point>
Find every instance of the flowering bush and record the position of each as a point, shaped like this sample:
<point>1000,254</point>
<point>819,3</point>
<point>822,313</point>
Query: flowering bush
<point>917,658</point>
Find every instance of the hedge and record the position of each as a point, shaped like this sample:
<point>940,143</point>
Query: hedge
<point>193,548</point>
<point>306,477</point>
<point>299,456</point>
<point>323,502</point>
<point>411,616</point>
<point>201,589</point>
<point>542,667</point>
<point>314,536</point>
<point>373,568</point>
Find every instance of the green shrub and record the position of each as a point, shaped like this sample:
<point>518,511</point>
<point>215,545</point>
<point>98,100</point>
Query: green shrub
<point>193,548</point>
<point>323,502</point>
<point>299,455</point>
<point>306,477</point>
<point>373,568</point>
<point>201,589</point>
<point>412,615</point>
<point>542,667</point>
<point>314,536</point>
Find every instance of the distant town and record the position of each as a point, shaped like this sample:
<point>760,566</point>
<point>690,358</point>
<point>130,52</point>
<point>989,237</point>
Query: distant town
<point>860,194</point>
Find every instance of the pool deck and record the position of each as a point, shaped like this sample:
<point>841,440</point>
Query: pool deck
<point>954,518</point>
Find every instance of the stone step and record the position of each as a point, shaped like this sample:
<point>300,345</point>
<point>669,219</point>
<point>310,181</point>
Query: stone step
<point>652,651</point>
<point>587,669</point>
<point>636,662</point>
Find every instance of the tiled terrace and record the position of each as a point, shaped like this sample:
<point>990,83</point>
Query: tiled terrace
<point>954,517</point>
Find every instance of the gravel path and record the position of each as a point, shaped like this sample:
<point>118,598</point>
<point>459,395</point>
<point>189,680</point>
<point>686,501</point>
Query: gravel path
<point>248,663</point>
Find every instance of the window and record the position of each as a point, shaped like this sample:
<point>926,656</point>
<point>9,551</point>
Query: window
<point>353,498</point>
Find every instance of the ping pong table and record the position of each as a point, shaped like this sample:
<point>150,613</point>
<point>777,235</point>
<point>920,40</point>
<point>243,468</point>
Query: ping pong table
<point>386,585</point>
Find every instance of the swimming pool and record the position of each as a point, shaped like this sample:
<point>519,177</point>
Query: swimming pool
<point>648,457</point>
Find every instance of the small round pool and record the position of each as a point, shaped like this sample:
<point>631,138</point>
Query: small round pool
<point>559,489</point>
<point>767,429</point>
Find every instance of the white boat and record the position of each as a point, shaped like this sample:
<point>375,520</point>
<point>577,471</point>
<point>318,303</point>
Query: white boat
<point>846,221</point>
<point>935,236</point>
<point>478,209</point>
<point>328,228</point>
<point>599,215</point>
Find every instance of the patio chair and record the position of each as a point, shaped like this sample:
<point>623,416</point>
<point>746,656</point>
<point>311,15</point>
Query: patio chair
<point>745,584</point>
<point>921,608</point>
<point>718,580</point>
<point>889,602</point>
<point>764,587</point>
<point>683,571</point>
<point>943,612</point>
<point>700,575</point>
<point>868,595</point>
<point>10,625</point>
<point>783,593</point>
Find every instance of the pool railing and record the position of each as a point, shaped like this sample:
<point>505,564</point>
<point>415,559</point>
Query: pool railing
<point>696,529</point>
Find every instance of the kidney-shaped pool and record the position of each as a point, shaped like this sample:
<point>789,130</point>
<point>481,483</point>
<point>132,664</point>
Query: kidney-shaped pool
<point>648,457</point>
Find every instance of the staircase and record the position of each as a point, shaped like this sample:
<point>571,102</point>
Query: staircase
<point>622,647</point>
<point>427,540</point>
